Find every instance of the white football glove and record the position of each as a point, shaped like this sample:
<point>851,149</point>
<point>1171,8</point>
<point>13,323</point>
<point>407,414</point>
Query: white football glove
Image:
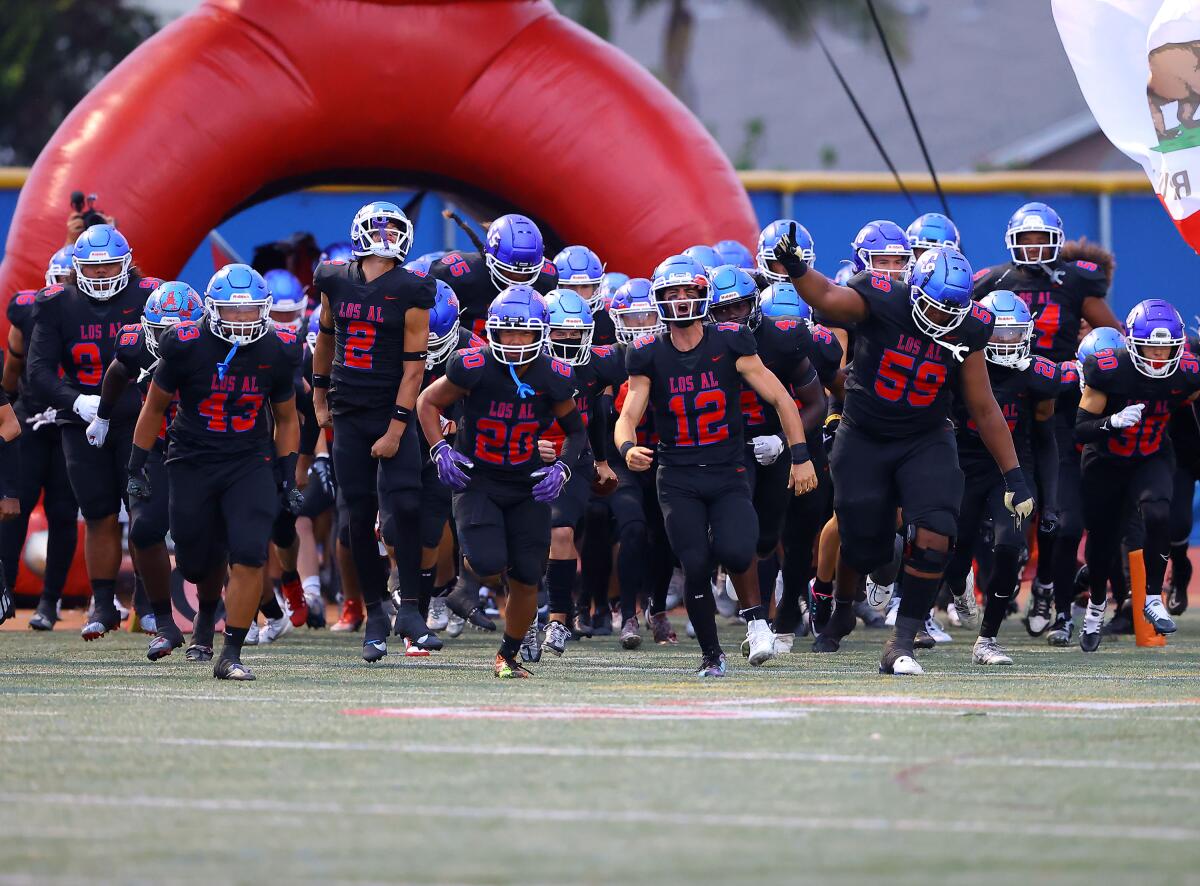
<point>36,422</point>
<point>85,406</point>
<point>97,431</point>
<point>767,449</point>
<point>1127,417</point>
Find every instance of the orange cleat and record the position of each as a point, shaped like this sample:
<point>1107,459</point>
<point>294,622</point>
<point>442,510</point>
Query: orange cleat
<point>293,593</point>
<point>510,669</point>
<point>351,618</point>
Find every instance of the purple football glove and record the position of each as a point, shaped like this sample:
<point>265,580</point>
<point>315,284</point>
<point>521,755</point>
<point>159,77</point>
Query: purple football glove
<point>554,478</point>
<point>448,461</point>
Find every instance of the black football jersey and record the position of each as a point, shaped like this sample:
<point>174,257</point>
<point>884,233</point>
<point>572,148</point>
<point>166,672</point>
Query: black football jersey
<point>604,369</point>
<point>784,344</point>
<point>466,339</point>
<point>1114,375</point>
<point>900,382</point>
<point>1017,393</point>
<point>604,333</point>
<point>826,353</point>
<point>695,395</point>
<point>139,365</point>
<point>20,317</point>
<point>224,416</point>
<point>499,429</point>
<point>1055,294</point>
<point>368,330</point>
<point>467,274</point>
<point>79,335</point>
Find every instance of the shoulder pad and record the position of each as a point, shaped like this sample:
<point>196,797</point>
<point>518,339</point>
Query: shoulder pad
<point>474,349</point>
<point>132,327</point>
<point>642,341</point>
<point>786,324</point>
<point>51,291</point>
<point>334,262</point>
<point>563,369</point>
<point>25,298</point>
<point>729,327</point>
<point>1087,265</point>
<point>1045,364</point>
<point>285,335</point>
<point>603,350</point>
<point>882,282</point>
<point>131,334</point>
<point>1068,371</point>
<point>821,334</point>
<point>185,331</point>
<point>150,283</point>
<point>982,314</point>
<point>548,267</point>
<point>477,342</point>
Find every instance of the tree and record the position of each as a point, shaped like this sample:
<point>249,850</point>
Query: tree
<point>795,18</point>
<point>52,52</point>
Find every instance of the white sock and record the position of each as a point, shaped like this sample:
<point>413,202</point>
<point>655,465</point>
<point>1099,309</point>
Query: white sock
<point>312,584</point>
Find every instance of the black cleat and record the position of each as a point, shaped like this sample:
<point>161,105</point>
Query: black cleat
<point>583,625</point>
<point>464,603</point>
<point>198,652</point>
<point>1089,642</point>
<point>898,663</point>
<point>869,616</point>
<point>1121,623</point>
<point>602,624</point>
<point>103,621</point>
<point>232,670</point>
<point>923,641</point>
<point>375,635</point>
<point>163,644</point>
<point>1177,591</point>
<point>412,627</point>
<point>826,643</point>
<point>45,617</point>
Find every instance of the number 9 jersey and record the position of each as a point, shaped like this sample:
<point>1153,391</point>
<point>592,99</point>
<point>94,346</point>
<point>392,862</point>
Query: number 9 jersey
<point>220,413</point>
<point>901,378</point>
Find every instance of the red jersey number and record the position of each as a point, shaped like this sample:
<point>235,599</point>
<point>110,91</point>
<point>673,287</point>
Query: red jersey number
<point>708,412</point>
<point>497,443</point>
<point>901,377</point>
<point>241,417</point>
<point>86,357</point>
<point>360,338</point>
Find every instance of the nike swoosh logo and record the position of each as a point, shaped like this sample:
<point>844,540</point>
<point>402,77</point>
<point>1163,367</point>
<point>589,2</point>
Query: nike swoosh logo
<point>718,357</point>
<point>264,365</point>
<point>391,298</point>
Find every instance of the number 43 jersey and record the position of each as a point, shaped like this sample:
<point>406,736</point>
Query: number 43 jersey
<point>695,395</point>
<point>901,379</point>
<point>223,415</point>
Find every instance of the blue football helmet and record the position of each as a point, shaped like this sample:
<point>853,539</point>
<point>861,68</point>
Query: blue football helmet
<point>880,238</point>
<point>706,255</point>
<point>443,325</point>
<point>340,251</point>
<point>519,308</point>
<point>431,257</point>
<point>844,272</point>
<point>419,266</point>
<point>238,286</point>
<point>613,280</point>
<point>940,291</point>
<point>314,329</point>
<point>60,267</point>
<point>781,301</point>
<point>570,313</point>
<point>1034,218</point>
<point>169,304</point>
<point>930,230</point>
<point>578,267</point>
<point>287,297</point>
<point>733,252</point>
<point>1154,323</point>
<point>381,228</point>
<point>101,245</point>
<point>733,297</point>
<point>1102,338</point>
<point>513,251</point>
<point>1009,344</point>
<point>680,271</point>
<point>770,237</point>
<point>634,312</point>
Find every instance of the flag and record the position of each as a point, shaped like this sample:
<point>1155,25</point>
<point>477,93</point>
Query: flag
<point>1138,66</point>
<point>222,253</point>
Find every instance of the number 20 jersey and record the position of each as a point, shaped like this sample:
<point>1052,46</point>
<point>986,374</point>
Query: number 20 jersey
<point>901,379</point>
<point>224,416</point>
<point>695,395</point>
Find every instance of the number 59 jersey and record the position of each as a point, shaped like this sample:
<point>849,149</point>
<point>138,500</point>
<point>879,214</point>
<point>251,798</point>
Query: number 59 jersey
<point>901,379</point>
<point>695,395</point>
<point>222,415</point>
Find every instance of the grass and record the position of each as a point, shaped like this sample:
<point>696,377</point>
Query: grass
<point>115,769</point>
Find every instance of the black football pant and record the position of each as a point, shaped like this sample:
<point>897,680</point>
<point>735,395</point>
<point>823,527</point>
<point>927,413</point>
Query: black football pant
<point>1070,528</point>
<point>806,516</point>
<point>502,530</point>
<point>98,475</point>
<point>644,560</point>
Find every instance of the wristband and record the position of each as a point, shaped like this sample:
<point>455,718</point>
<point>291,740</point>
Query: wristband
<point>436,447</point>
<point>320,381</point>
<point>325,330</point>
<point>399,413</point>
<point>137,458</point>
<point>1014,480</point>
<point>799,453</point>
<point>624,449</point>
<point>413,356</point>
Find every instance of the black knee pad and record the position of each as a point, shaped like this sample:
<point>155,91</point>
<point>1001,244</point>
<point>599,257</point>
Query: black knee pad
<point>283,533</point>
<point>922,559</point>
<point>145,534</point>
<point>1156,515</point>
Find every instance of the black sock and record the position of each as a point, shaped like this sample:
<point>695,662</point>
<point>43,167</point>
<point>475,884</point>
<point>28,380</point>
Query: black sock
<point>271,608</point>
<point>702,611</point>
<point>232,648</point>
<point>141,600</point>
<point>427,576</point>
<point>841,619</point>
<point>164,617</point>
<point>918,595</point>
<point>104,593</point>
<point>768,571</point>
<point>288,576</point>
<point>822,588</point>
<point>754,612</point>
<point>1045,563</point>
<point>905,632</point>
<point>993,615</point>
<point>560,580</point>
<point>510,646</point>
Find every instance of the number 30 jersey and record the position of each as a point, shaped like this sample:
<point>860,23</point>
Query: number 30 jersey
<point>368,324</point>
<point>222,416</point>
<point>695,395</point>
<point>499,429</point>
<point>901,379</point>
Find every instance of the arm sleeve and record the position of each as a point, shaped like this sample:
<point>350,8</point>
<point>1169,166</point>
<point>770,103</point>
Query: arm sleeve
<point>597,427</point>
<point>10,466</point>
<point>116,378</point>
<point>1091,428</point>
<point>43,359</point>
<point>1045,461</point>
<point>573,445</point>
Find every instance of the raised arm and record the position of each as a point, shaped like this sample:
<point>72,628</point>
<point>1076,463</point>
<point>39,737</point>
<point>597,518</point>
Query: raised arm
<point>838,303</point>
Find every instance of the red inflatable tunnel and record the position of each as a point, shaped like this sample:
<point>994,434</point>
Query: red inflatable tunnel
<point>242,99</point>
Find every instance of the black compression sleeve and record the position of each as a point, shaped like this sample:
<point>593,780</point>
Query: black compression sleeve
<point>1045,460</point>
<point>573,446</point>
<point>1090,428</point>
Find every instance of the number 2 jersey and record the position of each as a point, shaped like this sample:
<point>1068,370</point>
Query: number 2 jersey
<point>368,325</point>
<point>1114,375</point>
<point>223,416</point>
<point>499,429</point>
<point>1017,393</point>
<point>695,395</point>
<point>900,382</point>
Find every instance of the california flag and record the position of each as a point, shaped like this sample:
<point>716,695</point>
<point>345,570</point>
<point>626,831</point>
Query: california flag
<point>1138,65</point>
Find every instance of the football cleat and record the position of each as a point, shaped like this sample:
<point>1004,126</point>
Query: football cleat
<point>531,646</point>
<point>893,609</point>
<point>412,650</point>
<point>438,616</point>
<point>1157,615</point>
<point>557,635</point>
<point>879,596</point>
<point>712,667</point>
<point>660,626</point>
<point>1089,638</point>
<point>583,624</point>
<point>602,624</point>
<point>316,609</point>
<point>375,636</point>
<point>988,652</point>
<point>411,626</point>
<point>871,617</point>
<point>631,634</point>
<point>964,605</point>
<point>923,641</point>
<point>762,641</point>
<point>147,624</point>
<point>489,606</point>
<point>45,616</point>
<point>783,643</point>
<point>935,630</point>
<point>897,663</point>
<point>163,645</point>
<point>509,669</point>
<point>1121,622</point>
<point>297,605</point>
<point>275,628</point>
<point>225,669</point>
<point>826,643</point>
<point>952,616</point>
<point>464,603</point>
<point>1177,591</point>
<point>1037,613</point>
<point>198,652</point>
<point>374,650</point>
<point>454,625</point>
<point>251,635</point>
<point>1061,632</point>
<point>351,618</point>
<point>101,623</point>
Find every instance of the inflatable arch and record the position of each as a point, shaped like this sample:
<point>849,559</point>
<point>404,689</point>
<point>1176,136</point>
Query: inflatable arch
<point>503,101</point>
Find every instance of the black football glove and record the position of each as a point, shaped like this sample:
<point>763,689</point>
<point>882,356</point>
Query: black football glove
<point>786,255</point>
<point>829,430</point>
<point>6,601</point>
<point>139,484</point>
<point>1049,523</point>
<point>290,498</point>
<point>322,472</point>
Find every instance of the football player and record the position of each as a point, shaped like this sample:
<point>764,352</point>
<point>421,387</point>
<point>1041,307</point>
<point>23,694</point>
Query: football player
<point>1127,401</point>
<point>580,270</point>
<point>224,485</point>
<point>732,252</point>
<point>77,325</point>
<point>771,271</point>
<point>10,463</point>
<point>374,338</point>
<point>931,230</point>
<point>894,448</point>
<point>692,376</point>
<point>134,363</point>
<point>511,392</point>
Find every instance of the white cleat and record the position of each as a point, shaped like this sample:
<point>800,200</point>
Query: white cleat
<point>762,641</point>
<point>935,630</point>
<point>988,652</point>
<point>251,635</point>
<point>783,643</point>
<point>965,607</point>
<point>455,625</point>
<point>274,629</point>
<point>898,664</point>
<point>1089,639</point>
<point>1157,615</point>
<point>880,596</point>
<point>893,608</point>
<point>439,615</point>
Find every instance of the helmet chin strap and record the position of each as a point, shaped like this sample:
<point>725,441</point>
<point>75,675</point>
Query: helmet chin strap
<point>957,350</point>
<point>223,366</point>
<point>523,390</point>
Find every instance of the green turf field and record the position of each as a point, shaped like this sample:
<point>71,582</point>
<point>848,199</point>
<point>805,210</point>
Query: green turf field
<point>610,766</point>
